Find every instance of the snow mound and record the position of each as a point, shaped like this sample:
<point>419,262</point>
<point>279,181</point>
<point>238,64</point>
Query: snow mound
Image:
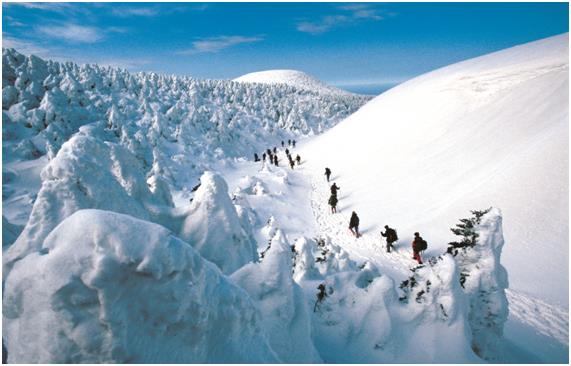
<point>492,131</point>
<point>297,79</point>
<point>212,226</point>
<point>485,280</point>
<point>109,288</point>
<point>86,173</point>
<point>281,302</point>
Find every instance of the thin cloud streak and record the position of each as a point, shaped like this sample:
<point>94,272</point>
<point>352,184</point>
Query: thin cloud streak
<point>356,13</point>
<point>125,12</point>
<point>216,44</point>
<point>72,33</point>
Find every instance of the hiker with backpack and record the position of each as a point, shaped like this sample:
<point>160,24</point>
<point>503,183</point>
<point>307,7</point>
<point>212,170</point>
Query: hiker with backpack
<point>391,235</point>
<point>333,203</point>
<point>327,173</point>
<point>264,157</point>
<point>334,189</point>
<point>291,163</point>
<point>276,160</point>
<point>256,158</point>
<point>321,295</point>
<point>418,245</point>
<point>354,224</point>
<point>298,159</point>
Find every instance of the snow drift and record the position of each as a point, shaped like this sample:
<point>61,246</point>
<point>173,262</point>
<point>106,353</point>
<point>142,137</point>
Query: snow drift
<point>491,131</point>
<point>109,288</point>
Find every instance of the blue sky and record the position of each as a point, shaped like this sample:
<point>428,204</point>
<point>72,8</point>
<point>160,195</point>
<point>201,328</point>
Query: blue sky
<point>354,45</point>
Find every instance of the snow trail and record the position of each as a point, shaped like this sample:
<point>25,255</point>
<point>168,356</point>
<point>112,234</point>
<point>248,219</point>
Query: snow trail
<point>549,320</point>
<point>369,247</point>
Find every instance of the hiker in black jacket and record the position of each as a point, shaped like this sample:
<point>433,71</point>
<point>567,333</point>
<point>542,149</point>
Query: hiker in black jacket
<point>327,173</point>
<point>334,189</point>
<point>391,236</point>
<point>298,159</point>
<point>333,203</point>
<point>354,224</point>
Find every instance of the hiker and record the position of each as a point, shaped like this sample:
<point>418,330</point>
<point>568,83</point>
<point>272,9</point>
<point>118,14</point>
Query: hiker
<point>293,143</point>
<point>256,158</point>
<point>321,295</point>
<point>264,157</point>
<point>287,151</point>
<point>333,203</point>
<point>334,189</point>
<point>298,159</point>
<point>288,142</point>
<point>391,235</point>
<point>275,150</point>
<point>269,152</point>
<point>276,160</point>
<point>327,173</point>
<point>291,164</point>
<point>282,143</point>
<point>354,224</point>
<point>418,245</point>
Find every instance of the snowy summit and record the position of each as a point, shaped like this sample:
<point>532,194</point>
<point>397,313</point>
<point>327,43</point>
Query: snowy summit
<point>297,79</point>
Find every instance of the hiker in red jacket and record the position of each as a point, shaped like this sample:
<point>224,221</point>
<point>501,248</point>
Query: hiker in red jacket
<point>417,247</point>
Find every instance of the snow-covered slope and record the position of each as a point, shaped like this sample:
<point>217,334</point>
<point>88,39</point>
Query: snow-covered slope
<point>491,131</point>
<point>297,79</point>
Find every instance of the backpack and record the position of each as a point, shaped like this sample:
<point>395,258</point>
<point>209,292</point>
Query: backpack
<point>395,236</point>
<point>423,245</point>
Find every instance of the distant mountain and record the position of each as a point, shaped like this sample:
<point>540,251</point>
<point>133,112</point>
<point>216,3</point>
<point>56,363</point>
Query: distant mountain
<point>294,78</point>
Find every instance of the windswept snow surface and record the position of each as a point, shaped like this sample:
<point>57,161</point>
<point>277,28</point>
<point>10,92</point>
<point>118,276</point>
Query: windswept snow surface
<point>492,131</point>
<point>293,78</point>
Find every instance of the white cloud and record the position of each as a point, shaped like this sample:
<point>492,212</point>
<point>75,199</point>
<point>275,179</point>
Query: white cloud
<point>216,44</point>
<point>127,11</point>
<point>13,22</point>
<point>72,33</point>
<point>24,47</point>
<point>324,25</point>
<point>57,7</point>
<point>354,13</point>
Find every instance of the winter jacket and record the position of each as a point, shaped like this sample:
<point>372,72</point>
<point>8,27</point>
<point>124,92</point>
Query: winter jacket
<point>354,222</point>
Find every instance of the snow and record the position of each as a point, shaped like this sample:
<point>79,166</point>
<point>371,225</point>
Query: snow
<point>492,131</point>
<point>109,288</point>
<point>281,302</point>
<point>213,227</point>
<point>115,258</point>
<point>297,79</point>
